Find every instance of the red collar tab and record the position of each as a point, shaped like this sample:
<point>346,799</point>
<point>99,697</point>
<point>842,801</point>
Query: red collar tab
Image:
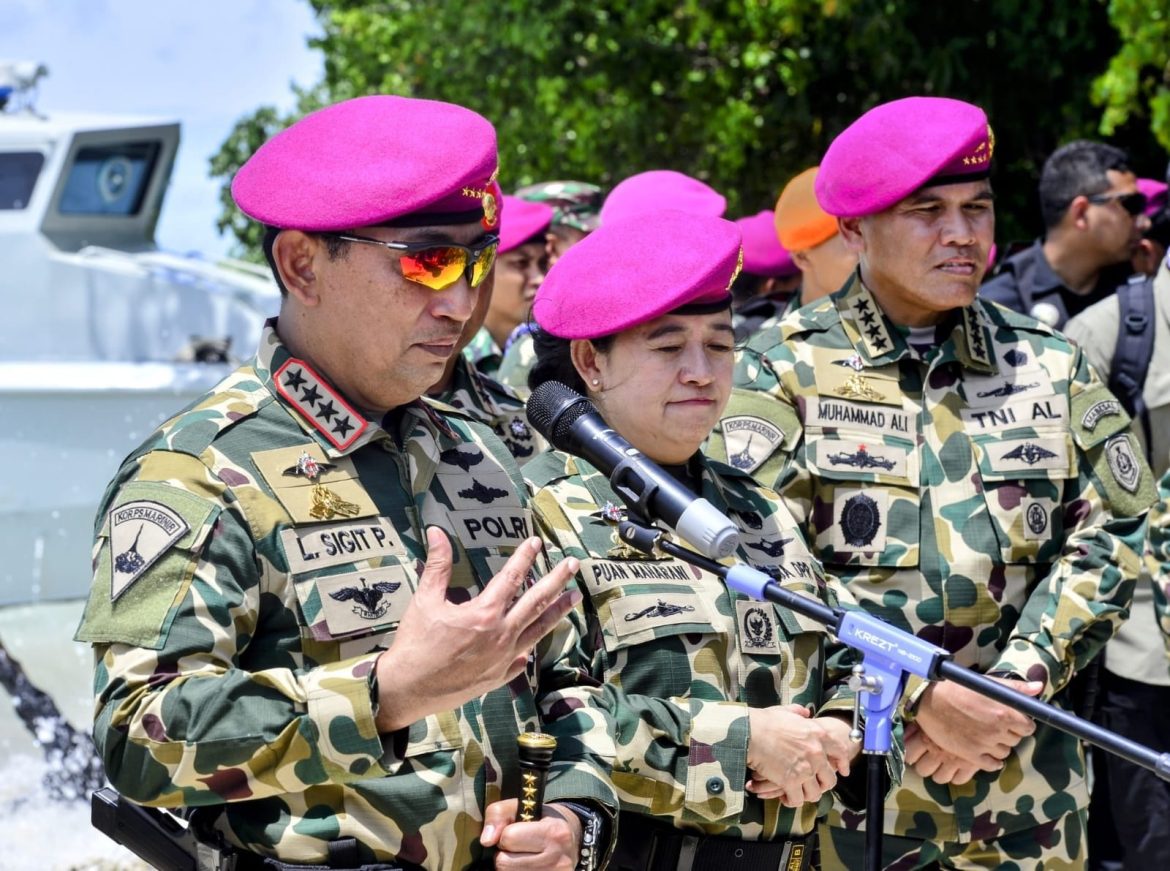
<point>318,403</point>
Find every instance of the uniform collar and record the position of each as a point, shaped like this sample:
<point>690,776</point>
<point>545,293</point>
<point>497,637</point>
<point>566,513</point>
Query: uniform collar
<point>320,408</point>
<point>879,342</point>
<point>465,377</point>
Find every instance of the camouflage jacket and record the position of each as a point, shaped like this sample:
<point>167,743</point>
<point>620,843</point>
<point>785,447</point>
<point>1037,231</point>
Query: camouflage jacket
<point>483,352</point>
<point>681,656</point>
<point>252,559</point>
<point>517,363</point>
<point>1158,555</point>
<point>491,403</point>
<point>989,498</point>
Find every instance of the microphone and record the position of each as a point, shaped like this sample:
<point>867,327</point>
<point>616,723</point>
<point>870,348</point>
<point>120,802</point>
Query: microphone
<point>570,423</point>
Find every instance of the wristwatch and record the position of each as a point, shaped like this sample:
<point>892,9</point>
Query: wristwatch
<point>594,835</point>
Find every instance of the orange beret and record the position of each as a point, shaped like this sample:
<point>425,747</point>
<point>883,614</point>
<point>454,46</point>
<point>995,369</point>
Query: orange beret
<point>801,223</point>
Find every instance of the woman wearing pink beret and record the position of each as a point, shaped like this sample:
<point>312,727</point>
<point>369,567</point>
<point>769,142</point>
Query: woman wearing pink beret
<point>730,715</point>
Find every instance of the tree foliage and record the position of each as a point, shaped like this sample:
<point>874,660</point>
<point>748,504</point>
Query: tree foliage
<point>741,93</point>
<point>1137,82</point>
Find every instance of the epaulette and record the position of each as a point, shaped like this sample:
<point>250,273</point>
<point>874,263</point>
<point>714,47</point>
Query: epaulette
<point>502,392</point>
<point>196,427</point>
<point>549,467</point>
<point>1002,316</point>
<point>726,471</point>
<point>445,409</point>
<point>816,317</point>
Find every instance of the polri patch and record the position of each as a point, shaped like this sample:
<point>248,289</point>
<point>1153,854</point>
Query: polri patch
<point>757,628</point>
<point>140,533</point>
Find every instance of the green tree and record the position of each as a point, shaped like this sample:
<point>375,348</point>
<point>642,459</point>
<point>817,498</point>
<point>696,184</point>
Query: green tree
<point>1137,83</point>
<point>741,93</point>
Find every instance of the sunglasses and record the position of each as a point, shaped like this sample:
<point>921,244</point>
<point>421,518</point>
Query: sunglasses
<point>438,266</point>
<point>1135,202</point>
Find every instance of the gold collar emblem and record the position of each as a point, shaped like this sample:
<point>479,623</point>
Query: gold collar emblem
<point>327,505</point>
<point>855,387</point>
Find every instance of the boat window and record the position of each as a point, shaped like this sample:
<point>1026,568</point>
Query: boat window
<point>109,179</point>
<point>18,174</point>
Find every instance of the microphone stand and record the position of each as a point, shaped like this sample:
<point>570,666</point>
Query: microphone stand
<point>889,655</point>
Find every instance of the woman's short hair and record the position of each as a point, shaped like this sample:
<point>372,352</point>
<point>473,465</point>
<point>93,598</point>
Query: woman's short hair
<point>554,360</point>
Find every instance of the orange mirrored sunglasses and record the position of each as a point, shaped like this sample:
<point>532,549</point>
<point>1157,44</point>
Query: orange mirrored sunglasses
<point>438,266</point>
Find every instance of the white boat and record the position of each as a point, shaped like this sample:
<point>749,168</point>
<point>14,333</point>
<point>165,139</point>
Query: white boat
<point>103,335</point>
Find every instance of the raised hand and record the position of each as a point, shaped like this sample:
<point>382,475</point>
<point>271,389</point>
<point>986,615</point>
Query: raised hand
<point>445,654</point>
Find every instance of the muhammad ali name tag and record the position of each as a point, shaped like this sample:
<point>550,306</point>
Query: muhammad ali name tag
<point>757,631</point>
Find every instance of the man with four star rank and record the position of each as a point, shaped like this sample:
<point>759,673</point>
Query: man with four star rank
<point>954,465</point>
<point>314,611</point>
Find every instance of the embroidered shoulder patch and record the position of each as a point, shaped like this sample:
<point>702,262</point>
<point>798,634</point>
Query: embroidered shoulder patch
<point>750,441</point>
<point>140,533</point>
<point>757,628</point>
<point>149,547</point>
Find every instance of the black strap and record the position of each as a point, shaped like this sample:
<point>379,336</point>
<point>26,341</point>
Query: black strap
<point>646,844</point>
<point>1134,349</point>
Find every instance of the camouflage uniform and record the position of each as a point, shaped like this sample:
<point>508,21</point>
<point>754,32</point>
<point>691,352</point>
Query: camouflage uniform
<point>238,608</point>
<point>491,403</point>
<point>483,352</point>
<point>681,656</point>
<point>518,361</point>
<point>988,497</point>
<point>1159,554</point>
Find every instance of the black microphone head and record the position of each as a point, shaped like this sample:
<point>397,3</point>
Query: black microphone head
<point>553,408</point>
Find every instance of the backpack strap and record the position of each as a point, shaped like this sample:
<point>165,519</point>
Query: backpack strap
<point>1134,349</point>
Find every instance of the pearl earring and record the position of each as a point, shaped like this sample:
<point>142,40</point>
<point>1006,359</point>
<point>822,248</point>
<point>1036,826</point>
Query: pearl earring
<point>595,382</point>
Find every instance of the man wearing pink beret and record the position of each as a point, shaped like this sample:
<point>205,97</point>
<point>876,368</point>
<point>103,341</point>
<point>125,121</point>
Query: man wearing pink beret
<point>506,293</point>
<point>769,278</point>
<point>316,606</point>
<point>963,472</point>
<point>1094,218</point>
<point>523,260</point>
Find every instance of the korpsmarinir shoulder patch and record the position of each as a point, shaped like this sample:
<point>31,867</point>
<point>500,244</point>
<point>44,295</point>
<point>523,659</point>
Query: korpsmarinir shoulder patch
<point>150,544</point>
<point>140,533</point>
<point>756,425</point>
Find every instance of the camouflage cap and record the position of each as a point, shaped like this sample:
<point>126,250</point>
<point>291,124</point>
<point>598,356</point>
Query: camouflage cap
<point>575,204</point>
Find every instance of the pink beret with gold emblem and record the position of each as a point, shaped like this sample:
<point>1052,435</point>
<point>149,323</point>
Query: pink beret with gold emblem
<point>520,220</point>
<point>1155,192</point>
<point>896,148</point>
<point>762,252</point>
<point>661,189</point>
<point>374,160</point>
<point>629,272</point>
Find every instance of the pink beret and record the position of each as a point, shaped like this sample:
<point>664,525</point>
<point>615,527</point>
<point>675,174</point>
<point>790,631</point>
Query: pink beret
<point>374,160</point>
<point>661,189</point>
<point>762,252</point>
<point>1155,192</point>
<point>629,272</point>
<point>896,148</point>
<point>520,220</point>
